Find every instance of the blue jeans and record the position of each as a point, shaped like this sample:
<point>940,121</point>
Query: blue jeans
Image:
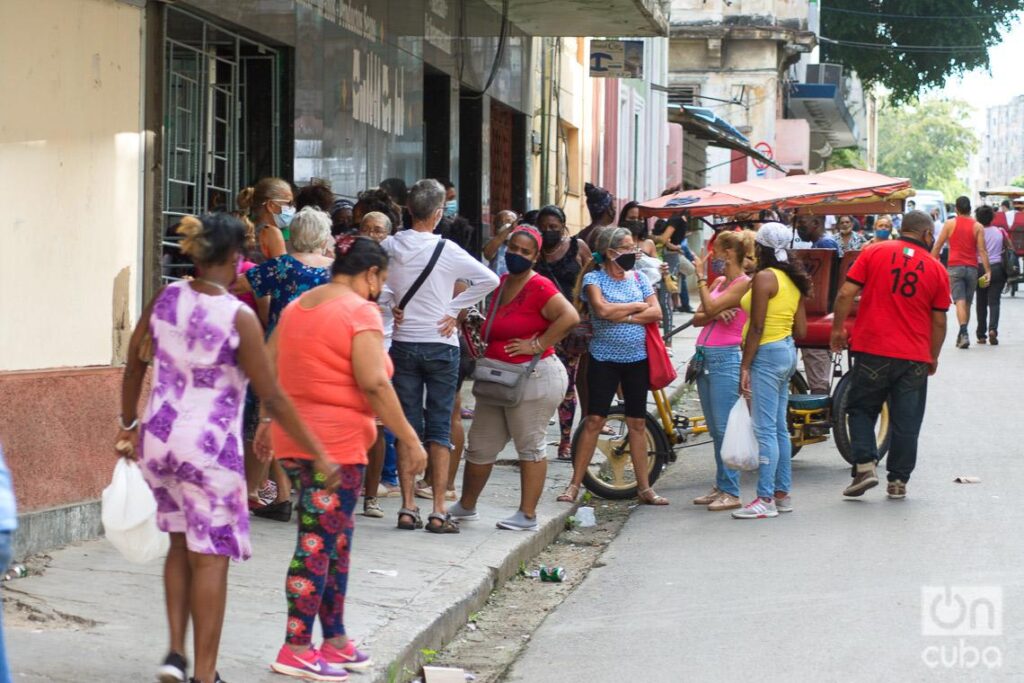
<point>389,474</point>
<point>6,549</point>
<point>432,367</point>
<point>773,365</point>
<point>718,388</point>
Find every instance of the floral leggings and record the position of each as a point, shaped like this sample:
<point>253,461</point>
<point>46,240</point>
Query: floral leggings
<point>318,573</point>
<point>567,409</point>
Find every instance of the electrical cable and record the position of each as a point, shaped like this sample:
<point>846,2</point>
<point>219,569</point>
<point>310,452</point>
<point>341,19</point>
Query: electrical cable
<point>915,17</point>
<point>905,48</point>
<point>498,55</point>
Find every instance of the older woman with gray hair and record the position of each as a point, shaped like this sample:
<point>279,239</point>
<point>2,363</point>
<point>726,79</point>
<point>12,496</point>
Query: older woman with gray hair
<point>621,302</point>
<point>287,276</point>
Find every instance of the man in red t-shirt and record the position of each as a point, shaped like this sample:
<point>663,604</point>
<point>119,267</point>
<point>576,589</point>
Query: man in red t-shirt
<point>896,339</point>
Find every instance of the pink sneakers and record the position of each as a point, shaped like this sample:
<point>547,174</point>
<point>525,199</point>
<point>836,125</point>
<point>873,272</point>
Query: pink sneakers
<point>309,665</point>
<point>349,656</point>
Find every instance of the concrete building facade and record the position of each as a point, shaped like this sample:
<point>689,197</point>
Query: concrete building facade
<point>124,115</point>
<point>1001,158</point>
<point>731,56</point>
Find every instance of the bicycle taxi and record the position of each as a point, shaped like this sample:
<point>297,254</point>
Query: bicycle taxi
<point>812,418</point>
<point>1015,228</point>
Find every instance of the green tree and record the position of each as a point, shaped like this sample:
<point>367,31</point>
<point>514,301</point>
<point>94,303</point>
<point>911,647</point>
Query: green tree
<point>928,141</point>
<point>845,157</point>
<point>907,45</point>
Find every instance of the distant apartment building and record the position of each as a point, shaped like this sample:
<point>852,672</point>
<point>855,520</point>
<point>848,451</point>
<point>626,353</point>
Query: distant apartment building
<point>1002,145</point>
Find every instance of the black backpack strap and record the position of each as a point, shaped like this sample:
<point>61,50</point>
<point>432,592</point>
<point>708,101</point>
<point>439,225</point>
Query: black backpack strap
<point>423,276</point>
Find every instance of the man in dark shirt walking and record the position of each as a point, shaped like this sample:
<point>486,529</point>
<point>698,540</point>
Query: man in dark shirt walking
<point>896,340</point>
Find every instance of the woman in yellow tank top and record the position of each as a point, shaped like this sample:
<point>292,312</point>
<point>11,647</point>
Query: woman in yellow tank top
<point>775,310</point>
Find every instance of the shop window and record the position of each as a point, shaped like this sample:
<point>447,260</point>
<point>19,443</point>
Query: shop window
<point>568,161</point>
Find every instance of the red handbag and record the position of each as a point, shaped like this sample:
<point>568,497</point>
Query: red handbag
<point>660,368</point>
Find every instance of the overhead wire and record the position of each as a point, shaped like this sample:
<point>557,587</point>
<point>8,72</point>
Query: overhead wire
<point>904,48</point>
<point>915,17</point>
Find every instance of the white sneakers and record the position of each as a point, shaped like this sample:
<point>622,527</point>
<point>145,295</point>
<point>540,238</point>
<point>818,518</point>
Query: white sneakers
<point>757,509</point>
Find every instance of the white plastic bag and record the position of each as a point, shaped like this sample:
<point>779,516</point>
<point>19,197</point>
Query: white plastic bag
<point>739,446</point>
<point>129,515</point>
<point>585,516</point>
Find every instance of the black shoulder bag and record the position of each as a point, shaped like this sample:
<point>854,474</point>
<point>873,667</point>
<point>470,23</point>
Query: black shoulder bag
<point>423,276</point>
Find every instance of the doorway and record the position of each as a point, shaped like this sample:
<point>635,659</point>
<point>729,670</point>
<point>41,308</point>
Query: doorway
<point>437,116</point>
<point>222,122</point>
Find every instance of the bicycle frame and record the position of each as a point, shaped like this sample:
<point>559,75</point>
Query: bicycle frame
<point>688,426</point>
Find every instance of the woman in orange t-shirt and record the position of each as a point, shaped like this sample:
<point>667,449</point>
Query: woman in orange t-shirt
<point>329,351</point>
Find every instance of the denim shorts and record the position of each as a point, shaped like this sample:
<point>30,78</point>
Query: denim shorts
<point>430,368</point>
<point>963,280</point>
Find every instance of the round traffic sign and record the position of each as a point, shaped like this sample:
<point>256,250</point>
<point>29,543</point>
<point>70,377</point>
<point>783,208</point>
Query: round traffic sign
<point>765,149</point>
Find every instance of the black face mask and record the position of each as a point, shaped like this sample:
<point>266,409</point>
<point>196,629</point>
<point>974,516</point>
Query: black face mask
<point>626,261</point>
<point>638,228</point>
<point>517,264</point>
<point>551,238</point>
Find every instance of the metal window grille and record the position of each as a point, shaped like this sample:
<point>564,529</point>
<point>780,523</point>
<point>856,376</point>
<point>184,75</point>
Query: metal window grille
<point>206,123</point>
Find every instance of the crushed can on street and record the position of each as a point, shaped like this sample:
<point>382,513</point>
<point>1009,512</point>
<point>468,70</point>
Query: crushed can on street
<point>552,574</point>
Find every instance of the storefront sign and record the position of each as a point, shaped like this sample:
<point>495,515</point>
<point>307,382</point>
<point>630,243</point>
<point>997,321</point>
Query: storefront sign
<point>435,25</point>
<point>616,59</point>
<point>351,15</point>
<point>377,93</point>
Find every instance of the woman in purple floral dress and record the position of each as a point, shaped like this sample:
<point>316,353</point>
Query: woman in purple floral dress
<point>207,346</point>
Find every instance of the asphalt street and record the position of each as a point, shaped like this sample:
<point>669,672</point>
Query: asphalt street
<point>872,589</point>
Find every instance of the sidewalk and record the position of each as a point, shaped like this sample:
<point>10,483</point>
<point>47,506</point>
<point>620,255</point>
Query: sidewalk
<point>92,615</point>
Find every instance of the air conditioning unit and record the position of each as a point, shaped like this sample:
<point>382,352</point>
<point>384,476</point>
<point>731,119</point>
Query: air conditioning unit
<point>825,73</point>
<point>684,95</point>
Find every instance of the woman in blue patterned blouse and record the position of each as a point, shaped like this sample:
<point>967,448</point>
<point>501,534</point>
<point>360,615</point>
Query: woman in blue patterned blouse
<point>621,302</point>
<point>284,278</point>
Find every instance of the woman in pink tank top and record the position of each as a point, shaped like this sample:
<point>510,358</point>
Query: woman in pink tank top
<point>717,360</point>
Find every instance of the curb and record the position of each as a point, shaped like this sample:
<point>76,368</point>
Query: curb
<point>451,616</point>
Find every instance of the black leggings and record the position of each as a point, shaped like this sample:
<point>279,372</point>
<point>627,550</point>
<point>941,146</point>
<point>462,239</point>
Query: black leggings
<point>605,377</point>
<point>987,301</point>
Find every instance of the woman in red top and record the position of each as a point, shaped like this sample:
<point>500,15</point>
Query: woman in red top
<point>329,351</point>
<point>530,316</point>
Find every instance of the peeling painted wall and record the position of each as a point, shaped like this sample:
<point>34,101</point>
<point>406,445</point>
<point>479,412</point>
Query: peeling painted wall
<point>69,173</point>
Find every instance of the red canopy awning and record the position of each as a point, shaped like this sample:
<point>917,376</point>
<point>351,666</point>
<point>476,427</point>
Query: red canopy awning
<point>846,190</point>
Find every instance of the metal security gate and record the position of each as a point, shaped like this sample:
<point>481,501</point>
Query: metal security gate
<point>211,125</point>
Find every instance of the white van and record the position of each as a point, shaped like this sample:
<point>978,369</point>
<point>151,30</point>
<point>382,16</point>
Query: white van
<point>926,200</point>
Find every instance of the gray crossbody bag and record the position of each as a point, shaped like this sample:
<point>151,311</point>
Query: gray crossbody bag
<point>496,382</point>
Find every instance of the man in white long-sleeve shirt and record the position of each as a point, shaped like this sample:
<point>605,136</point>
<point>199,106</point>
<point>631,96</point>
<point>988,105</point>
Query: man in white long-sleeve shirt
<point>425,345</point>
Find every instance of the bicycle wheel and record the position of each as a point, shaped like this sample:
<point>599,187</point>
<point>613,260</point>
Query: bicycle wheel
<point>840,425</point>
<point>611,473</point>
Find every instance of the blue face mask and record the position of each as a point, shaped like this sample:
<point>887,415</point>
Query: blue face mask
<point>517,264</point>
<point>882,234</point>
<point>284,219</point>
<point>451,207</point>
<point>718,265</point>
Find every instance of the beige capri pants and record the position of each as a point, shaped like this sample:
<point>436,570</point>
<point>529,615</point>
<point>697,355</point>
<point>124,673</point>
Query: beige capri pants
<point>526,424</point>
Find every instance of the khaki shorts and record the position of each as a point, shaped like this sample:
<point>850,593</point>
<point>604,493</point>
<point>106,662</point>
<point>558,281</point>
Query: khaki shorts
<point>526,425</point>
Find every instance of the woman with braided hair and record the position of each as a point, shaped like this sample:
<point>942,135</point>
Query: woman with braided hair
<point>207,346</point>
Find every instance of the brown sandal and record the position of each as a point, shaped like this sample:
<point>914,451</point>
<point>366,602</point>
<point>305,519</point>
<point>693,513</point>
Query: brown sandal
<point>445,524</point>
<point>414,515</point>
<point>571,493</point>
<point>649,497</point>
